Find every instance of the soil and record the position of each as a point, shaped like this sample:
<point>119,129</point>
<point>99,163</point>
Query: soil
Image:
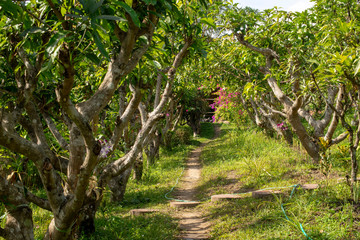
<point>192,224</point>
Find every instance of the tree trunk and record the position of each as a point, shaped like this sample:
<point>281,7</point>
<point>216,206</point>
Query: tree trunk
<point>118,184</point>
<point>154,148</point>
<point>354,166</point>
<point>19,223</point>
<point>293,117</point>
<point>168,140</point>
<point>195,126</point>
<point>138,167</point>
<point>87,218</point>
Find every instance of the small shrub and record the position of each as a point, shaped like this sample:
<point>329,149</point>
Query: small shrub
<point>181,135</point>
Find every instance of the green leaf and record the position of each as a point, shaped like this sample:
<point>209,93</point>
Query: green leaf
<point>92,57</point>
<point>131,12</point>
<point>208,21</point>
<point>248,89</point>
<point>10,7</point>
<point>90,6</point>
<point>313,61</point>
<point>56,26</point>
<point>109,17</point>
<point>156,64</point>
<point>56,40</point>
<point>129,2</point>
<point>99,44</point>
<point>357,68</point>
<point>95,6</point>
<point>63,11</point>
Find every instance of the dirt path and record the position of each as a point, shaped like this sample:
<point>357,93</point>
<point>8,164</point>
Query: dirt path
<point>192,225</point>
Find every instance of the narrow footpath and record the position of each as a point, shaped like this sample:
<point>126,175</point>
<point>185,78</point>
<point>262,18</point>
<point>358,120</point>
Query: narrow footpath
<point>192,224</point>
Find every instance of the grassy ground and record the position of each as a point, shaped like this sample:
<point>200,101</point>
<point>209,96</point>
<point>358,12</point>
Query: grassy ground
<point>242,161</point>
<point>237,162</point>
<point>113,220</point>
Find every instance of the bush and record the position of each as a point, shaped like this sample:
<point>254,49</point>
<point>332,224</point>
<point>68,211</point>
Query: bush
<point>181,135</point>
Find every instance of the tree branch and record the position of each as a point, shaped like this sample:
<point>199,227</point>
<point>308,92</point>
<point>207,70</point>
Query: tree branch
<point>119,166</point>
<point>335,119</point>
<point>339,138</point>
<point>38,201</point>
<point>272,110</point>
<point>52,127</point>
<point>118,67</point>
<point>123,120</point>
<point>143,113</point>
<point>267,52</point>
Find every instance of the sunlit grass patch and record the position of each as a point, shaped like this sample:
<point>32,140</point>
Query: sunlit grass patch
<point>153,227</point>
<point>247,160</point>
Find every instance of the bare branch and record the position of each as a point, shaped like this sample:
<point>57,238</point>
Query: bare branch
<point>357,140</point>
<point>36,124</point>
<point>122,121</point>
<point>120,34</point>
<point>78,119</point>
<point>335,119</point>
<point>51,125</point>
<point>118,67</point>
<point>339,139</point>
<point>296,124</point>
<point>143,113</point>
<point>171,74</point>
<point>158,88</point>
<point>267,52</point>
<point>115,168</point>
<point>40,202</point>
<point>15,143</point>
<point>26,60</point>
<point>272,110</point>
<point>179,114</point>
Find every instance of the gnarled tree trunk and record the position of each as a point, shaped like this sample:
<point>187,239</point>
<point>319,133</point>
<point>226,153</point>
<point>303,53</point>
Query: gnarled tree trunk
<point>19,223</point>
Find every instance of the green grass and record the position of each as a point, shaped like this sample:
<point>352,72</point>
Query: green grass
<point>238,161</point>
<point>246,160</point>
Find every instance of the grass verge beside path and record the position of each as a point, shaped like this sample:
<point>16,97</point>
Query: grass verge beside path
<point>242,161</point>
